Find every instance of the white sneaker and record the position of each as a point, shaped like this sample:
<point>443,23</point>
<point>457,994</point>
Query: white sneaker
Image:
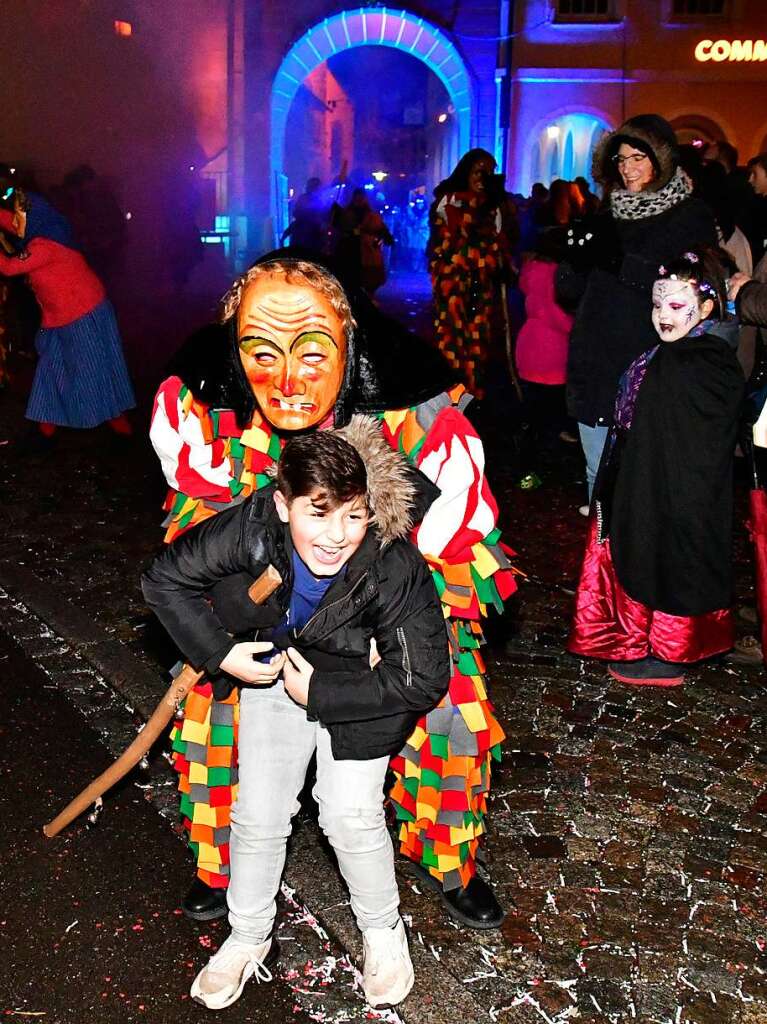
<point>221,981</point>
<point>387,973</point>
<point>584,509</point>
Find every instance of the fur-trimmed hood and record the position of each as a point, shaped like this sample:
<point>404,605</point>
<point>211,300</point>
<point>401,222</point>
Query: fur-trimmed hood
<point>393,487</point>
<point>648,132</point>
<point>399,495</point>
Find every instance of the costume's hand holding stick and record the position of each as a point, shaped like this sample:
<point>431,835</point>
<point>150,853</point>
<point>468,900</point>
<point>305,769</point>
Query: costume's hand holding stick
<point>259,591</point>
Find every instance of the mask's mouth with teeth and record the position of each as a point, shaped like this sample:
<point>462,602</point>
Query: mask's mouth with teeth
<point>281,403</point>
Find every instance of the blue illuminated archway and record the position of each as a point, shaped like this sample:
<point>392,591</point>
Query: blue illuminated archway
<point>366,26</point>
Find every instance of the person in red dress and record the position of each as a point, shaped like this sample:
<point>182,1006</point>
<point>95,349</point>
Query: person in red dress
<point>81,378</point>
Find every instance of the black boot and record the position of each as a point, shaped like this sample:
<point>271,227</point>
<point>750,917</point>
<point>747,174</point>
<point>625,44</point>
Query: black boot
<point>202,903</point>
<point>473,905</point>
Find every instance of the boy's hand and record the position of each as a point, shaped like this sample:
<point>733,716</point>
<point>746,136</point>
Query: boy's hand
<point>297,675</point>
<point>240,663</point>
<point>375,657</point>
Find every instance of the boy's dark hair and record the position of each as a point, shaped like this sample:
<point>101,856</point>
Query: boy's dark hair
<point>760,160</point>
<point>323,465</point>
<point>706,270</point>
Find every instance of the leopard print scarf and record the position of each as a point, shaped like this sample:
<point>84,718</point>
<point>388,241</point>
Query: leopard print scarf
<point>638,205</point>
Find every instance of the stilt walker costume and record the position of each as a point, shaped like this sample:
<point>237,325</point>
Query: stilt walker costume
<point>469,257</point>
<point>212,458</point>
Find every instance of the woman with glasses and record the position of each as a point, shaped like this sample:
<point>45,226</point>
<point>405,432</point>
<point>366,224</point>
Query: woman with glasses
<point>648,217</point>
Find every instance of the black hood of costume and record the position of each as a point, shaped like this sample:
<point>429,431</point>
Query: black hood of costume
<point>387,366</point>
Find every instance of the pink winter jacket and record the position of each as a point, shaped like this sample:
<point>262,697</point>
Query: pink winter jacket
<point>542,342</point>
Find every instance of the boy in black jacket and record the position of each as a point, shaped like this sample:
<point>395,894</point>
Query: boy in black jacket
<point>357,651</point>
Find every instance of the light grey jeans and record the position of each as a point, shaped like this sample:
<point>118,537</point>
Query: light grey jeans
<point>276,743</point>
<point>593,441</point>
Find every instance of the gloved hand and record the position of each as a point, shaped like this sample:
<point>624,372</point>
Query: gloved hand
<point>593,242</point>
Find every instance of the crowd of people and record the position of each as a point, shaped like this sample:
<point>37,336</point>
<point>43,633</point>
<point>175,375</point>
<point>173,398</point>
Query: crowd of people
<point>308,433</point>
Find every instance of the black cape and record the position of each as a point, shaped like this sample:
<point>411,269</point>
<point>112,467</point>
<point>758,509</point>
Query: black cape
<point>671,506</point>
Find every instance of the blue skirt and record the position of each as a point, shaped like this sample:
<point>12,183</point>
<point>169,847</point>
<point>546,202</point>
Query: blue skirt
<point>81,378</point>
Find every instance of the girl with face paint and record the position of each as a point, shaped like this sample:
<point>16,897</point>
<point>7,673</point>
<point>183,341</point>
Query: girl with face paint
<point>656,585</point>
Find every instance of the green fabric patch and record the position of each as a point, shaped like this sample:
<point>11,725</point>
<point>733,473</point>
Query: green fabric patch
<point>439,746</point>
<point>430,778</point>
<point>401,814</point>
<point>186,807</point>
<point>493,537</point>
<point>236,448</point>
<point>411,785</point>
<point>235,487</point>
<point>214,421</point>
<point>219,776</point>
<point>274,448</point>
<point>185,520</point>
<point>467,639</point>
<point>179,745</point>
<point>429,858</point>
<point>495,752</point>
<point>262,480</point>
<point>439,582</point>
<point>221,736</point>
<point>178,503</point>
<point>487,592</point>
<point>467,664</point>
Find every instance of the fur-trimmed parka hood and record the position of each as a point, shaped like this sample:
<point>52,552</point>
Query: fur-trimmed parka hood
<point>399,495</point>
<point>648,132</point>
<point>394,490</point>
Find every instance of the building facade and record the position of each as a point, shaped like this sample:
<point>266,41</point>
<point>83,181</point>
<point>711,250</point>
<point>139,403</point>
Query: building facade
<point>583,66</point>
<point>172,97</point>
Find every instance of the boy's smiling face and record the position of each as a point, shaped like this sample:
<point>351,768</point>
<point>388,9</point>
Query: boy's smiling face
<point>324,538</point>
<point>293,351</point>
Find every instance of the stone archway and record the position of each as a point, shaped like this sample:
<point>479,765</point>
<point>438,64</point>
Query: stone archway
<point>364,26</point>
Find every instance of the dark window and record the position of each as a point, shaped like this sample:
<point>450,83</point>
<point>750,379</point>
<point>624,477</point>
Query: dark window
<point>697,8</point>
<point>585,10</point>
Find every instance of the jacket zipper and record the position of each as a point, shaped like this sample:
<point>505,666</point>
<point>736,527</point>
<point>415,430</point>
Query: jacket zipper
<point>600,521</point>
<point>339,600</point>
<point>405,656</point>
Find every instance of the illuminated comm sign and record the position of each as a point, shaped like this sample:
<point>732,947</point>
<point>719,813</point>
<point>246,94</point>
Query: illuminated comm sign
<point>720,50</point>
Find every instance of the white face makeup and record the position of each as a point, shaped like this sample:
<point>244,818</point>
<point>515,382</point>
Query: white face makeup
<point>675,309</point>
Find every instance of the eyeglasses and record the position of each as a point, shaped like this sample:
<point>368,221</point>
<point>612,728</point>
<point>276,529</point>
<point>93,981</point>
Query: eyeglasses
<point>630,161</point>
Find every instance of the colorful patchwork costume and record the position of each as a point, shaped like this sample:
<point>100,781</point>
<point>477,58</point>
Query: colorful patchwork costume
<point>210,461</point>
<point>443,774</point>
<point>468,255</point>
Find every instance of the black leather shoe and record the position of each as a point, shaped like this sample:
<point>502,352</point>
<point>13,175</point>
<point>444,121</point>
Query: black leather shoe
<point>202,903</point>
<point>474,904</point>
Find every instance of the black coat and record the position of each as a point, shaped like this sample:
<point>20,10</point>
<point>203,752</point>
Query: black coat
<point>387,593</point>
<point>664,490</point>
<point>614,298</point>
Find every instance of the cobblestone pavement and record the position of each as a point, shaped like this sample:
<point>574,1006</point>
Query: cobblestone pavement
<point>629,837</point>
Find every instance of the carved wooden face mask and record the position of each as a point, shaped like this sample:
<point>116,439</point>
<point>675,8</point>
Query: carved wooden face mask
<point>293,350</point>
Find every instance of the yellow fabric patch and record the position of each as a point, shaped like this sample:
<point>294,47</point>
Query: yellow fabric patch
<point>198,774</point>
<point>195,732</point>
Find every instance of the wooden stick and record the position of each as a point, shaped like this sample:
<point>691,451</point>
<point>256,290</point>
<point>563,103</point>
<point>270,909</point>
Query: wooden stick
<point>259,591</point>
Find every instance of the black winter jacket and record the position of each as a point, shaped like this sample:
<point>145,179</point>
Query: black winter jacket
<point>614,299</point>
<point>386,593</point>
